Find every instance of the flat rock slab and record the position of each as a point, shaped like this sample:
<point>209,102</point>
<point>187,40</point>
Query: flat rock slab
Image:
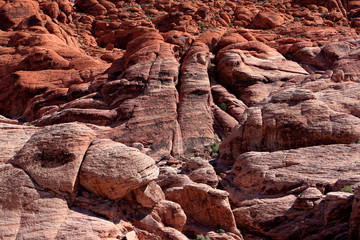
<point>26,211</point>
<point>283,171</point>
<point>12,138</point>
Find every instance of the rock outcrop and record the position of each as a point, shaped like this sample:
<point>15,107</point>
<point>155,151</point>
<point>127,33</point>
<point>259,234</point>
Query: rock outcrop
<point>112,112</point>
<point>53,156</point>
<point>291,118</point>
<point>112,169</point>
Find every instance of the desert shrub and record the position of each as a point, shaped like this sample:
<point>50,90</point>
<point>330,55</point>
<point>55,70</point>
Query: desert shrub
<point>347,188</point>
<point>214,149</point>
<point>223,106</point>
<point>202,237</point>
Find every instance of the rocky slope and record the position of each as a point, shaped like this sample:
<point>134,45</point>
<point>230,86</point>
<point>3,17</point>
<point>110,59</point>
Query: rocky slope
<point>111,115</point>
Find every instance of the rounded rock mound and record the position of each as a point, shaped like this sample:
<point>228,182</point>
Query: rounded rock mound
<point>111,169</point>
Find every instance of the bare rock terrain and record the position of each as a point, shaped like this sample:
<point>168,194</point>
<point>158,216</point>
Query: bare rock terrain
<point>215,119</point>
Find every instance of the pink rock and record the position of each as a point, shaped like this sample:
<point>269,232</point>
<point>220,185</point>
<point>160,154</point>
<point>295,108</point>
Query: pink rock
<point>13,138</point>
<point>277,124</point>
<point>288,170</point>
<point>112,158</point>
<point>53,155</point>
<point>207,206</point>
<point>27,212</point>
<point>243,64</point>
<point>195,115</point>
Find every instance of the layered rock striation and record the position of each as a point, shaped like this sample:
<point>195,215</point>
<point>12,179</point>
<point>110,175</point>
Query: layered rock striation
<point>179,119</point>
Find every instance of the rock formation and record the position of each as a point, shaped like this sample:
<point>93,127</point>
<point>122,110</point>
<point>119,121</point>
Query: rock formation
<point>216,119</point>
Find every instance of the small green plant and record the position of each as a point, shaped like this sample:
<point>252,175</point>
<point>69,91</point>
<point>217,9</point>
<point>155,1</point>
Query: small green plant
<point>202,237</point>
<point>214,149</point>
<point>107,20</point>
<point>223,106</point>
<point>347,188</point>
<point>296,19</point>
<point>220,230</point>
<point>323,14</point>
<point>202,26</point>
<point>358,140</point>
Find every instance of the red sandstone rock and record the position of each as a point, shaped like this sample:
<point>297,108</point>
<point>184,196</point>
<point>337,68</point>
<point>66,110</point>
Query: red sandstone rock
<point>167,220</point>
<point>27,212</point>
<point>283,171</point>
<point>289,119</point>
<point>12,13</point>
<point>195,115</point>
<point>105,157</point>
<point>243,64</point>
<point>54,68</point>
<point>53,155</point>
<point>199,170</point>
<point>267,20</point>
<point>199,202</point>
<point>13,138</point>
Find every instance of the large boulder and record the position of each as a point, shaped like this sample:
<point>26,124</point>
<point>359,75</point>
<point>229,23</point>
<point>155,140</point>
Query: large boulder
<point>291,118</point>
<point>53,156</point>
<point>200,170</point>
<point>112,169</point>
<point>242,64</point>
<point>275,218</point>
<point>88,226</point>
<point>284,171</point>
<point>167,220</point>
<point>207,206</point>
<point>12,13</point>
<point>354,230</point>
<point>267,20</point>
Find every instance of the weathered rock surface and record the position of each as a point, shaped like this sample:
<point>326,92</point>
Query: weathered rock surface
<point>276,218</point>
<point>170,177</point>
<point>355,217</point>
<point>195,115</point>
<point>242,64</point>
<point>291,118</point>
<point>283,171</point>
<point>88,226</point>
<point>27,212</point>
<point>13,138</point>
<point>149,76</point>
<point>200,170</point>
<point>170,78</point>
<point>166,219</point>
<point>53,156</point>
<point>112,169</point>
<point>207,206</point>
